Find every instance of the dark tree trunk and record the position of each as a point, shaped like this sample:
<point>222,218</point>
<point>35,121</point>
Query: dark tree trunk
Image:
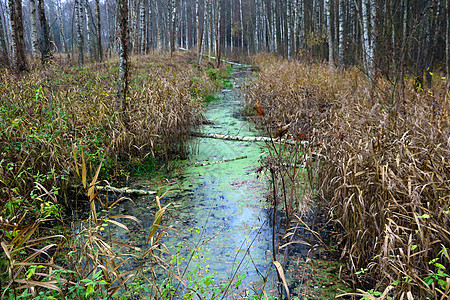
<point>122,86</point>
<point>45,39</point>
<point>4,56</point>
<point>99,30</point>
<point>219,34</point>
<point>15,10</point>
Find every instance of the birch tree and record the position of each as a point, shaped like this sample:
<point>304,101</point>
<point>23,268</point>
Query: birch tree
<point>341,34</point>
<point>34,41</point>
<point>199,33</point>
<point>173,25</point>
<point>80,39</point>
<point>241,23</point>
<point>327,6</point>
<point>142,27</point>
<point>88,27</point>
<point>366,46</point>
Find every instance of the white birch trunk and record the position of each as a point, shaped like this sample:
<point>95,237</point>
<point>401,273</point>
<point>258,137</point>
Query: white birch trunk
<point>241,21</point>
<point>88,31</point>
<point>288,16</point>
<point>172,25</point>
<point>199,33</point>
<point>231,27</point>
<point>365,29</point>
<point>79,31</point>
<point>295,41</point>
<point>142,28</point>
<point>302,22</point>
<point>205,26</point>
<point>329,34</point>
<point>34,40</point>
<point>186,28</point>
<point>341,34</point>
<point>371,50</point>
<point>211,29</point>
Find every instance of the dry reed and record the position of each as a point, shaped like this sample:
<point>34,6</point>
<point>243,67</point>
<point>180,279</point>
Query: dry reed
<point>384,170</point>
<point>49,112</point>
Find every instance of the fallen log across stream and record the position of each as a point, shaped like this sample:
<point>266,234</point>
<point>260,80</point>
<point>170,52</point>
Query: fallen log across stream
<point>246,138</point>
<point>207,163</point>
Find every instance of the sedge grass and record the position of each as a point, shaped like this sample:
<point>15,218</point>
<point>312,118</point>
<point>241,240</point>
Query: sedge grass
<point>384,170</point>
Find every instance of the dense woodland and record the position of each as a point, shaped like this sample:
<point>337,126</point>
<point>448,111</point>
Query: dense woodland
<point>383,37</point>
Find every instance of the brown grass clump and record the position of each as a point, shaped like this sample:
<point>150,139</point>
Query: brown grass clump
<point>61,123</point>
<point>50,115</point>
<point>385,170</point>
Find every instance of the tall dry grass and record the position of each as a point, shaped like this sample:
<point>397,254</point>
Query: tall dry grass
<point>91,260</point>
<point>51,112</point>
<point>49,119</point>
<point>384,167</point>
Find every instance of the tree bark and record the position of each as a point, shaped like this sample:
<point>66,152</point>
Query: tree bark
<point>61,26</point>
<point>447,43</point>
<point>98,31</point>
<point>122,85</point>
<point>365,28</point>
<point>3,44</point>
<point>219,34</point>
<point>18,44</point>
<point>34,41</point>
<point>341,34</point>
<point>142,28</point>
<point>45,35</point>
<point>88,29</point>
<point>200,26</point>
<point>173,25</point>
<point>329,34</point>
<point>80,38</point>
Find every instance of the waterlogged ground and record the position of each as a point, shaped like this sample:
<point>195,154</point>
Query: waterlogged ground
<point>225,202</point>
<point>218,212</point>
<point>221,229</point>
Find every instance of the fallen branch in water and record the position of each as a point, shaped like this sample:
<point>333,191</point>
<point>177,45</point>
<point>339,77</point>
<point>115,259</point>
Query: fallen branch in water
<point>245,138</point>
<point>200,164</point>
<point>125,190</point>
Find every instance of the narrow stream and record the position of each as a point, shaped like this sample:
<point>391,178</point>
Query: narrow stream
<point>226,201</point>
<point>219,210</point>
